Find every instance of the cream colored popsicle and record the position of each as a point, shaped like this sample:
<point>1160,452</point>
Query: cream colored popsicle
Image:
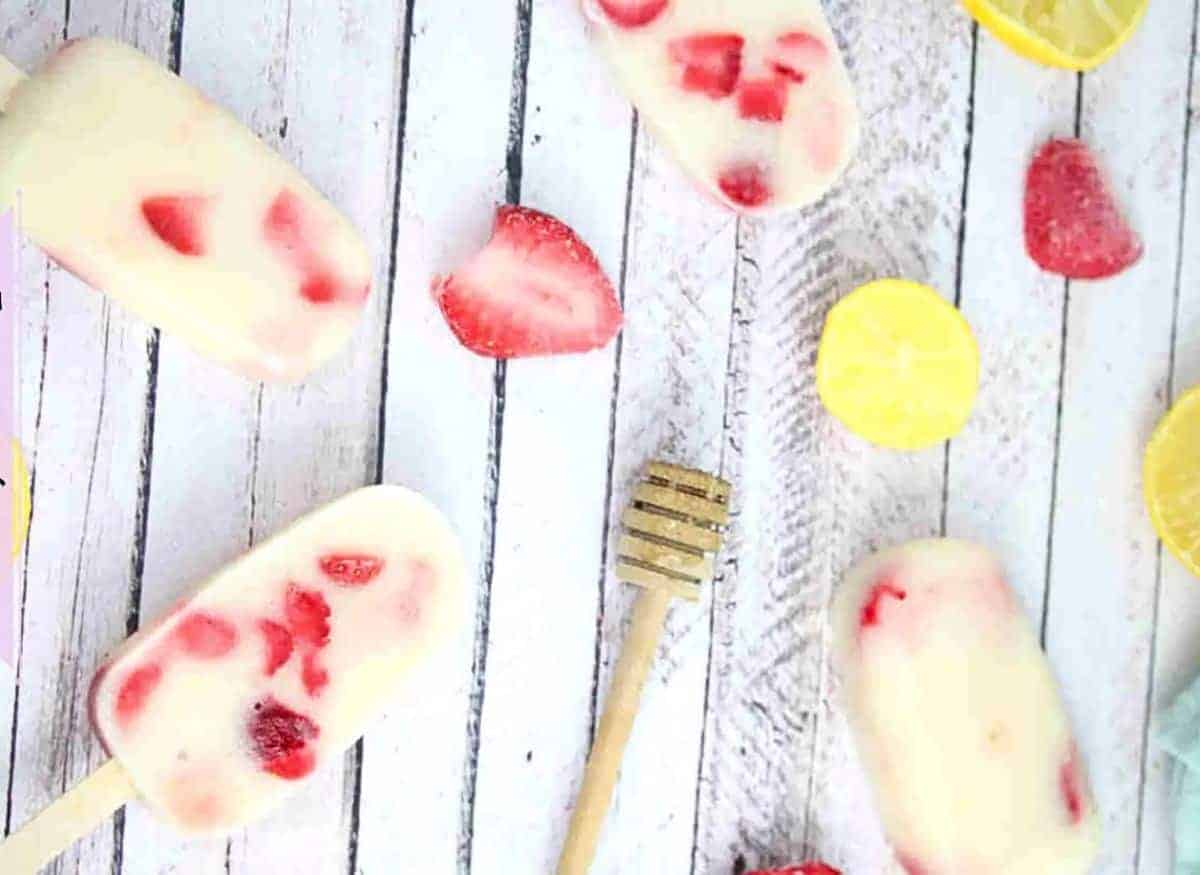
<point>140,185</point>
<point>751,96</point>
<point>273,667</point>
<point>958,719</point>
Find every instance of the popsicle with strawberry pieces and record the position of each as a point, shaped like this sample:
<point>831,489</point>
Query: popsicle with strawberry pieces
<point>957,717</point>
<point>751,96</point>
<point>268,671</point>
<point>134,181</point>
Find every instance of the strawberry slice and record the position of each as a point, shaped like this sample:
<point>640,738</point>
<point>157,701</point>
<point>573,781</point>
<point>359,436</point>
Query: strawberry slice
<point>797,54</point>
<point>710,63</point>
<point>1072,224</point>
<point>633,13</point>
<point>763,100</point>
<point>802,869</point>
<point>535,289</point>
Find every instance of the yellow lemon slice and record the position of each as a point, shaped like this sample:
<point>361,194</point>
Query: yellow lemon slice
<point>1076,34</point>
<point>21,499</point>
<point>898,365</point>
<point>1172,474</point>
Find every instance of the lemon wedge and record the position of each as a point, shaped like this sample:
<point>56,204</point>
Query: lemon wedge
<point>898,365</point>
<point>1172,475</point>
<point>1075,34</point>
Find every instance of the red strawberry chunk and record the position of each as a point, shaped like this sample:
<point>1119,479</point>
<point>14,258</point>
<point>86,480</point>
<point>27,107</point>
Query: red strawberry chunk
<point>279,645</point>
<point>802,869</point>
<point>763,100</point>
<point>1070,783</point>
<point>135,691</point>
<point>279,737</point>
<point>178,220</point>
<point>205,636</point>
<point>351,569</point>
<point>292,235</point>
<point>307,615</point>
<point>1072,224</point>
<point>745,184</point>
<point>633,13</point>
<point>535,289</point>
<point>314,675</point>
<point>710,63</point>
<point>873,606</point>
<point>797,54</point>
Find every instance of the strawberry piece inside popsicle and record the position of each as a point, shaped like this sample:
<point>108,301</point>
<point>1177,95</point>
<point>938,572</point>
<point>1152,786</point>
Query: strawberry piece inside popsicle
<point>763,100</point>
<point>873,606</point>
<point>351,569</point>
<point>279,645</point>
<point>292,234</point>
<point>279,737</point>
<point>178,221</point>
<point>307,615</point>
<point>1071,784</point>
<point>313,674</point>
<point>709,63</point>
<point>135,690</point>
<point>797,54</point>
<point>206,636</point>
<point>633,13</point>
<point>745,184</point>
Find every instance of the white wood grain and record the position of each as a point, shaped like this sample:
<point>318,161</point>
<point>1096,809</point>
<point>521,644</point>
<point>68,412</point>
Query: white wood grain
<point>1104,562</point>
<point>671,403</point>
<point>1177,644</point>
<point>551,509</point>
<point>438,408</point>
<point>779,782</point>
<point>91,410</point>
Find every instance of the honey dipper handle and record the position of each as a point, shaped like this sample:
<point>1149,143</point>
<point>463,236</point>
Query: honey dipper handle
<point>10,77</point>
<point>66,821</point>
<point>604,764</point>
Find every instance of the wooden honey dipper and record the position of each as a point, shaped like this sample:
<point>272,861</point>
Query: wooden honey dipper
<point>672,531</point>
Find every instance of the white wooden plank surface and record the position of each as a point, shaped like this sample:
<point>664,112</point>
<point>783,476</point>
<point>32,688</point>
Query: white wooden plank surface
<point>740,757</point>
<point>1103,572</point>
<point>1177,646</point>
<point>553,477</point>
<point>439,416</point>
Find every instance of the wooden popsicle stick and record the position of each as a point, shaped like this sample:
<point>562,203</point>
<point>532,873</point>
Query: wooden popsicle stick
<point>10,77</point>
<point>67,820</point>
<point>604,763</point>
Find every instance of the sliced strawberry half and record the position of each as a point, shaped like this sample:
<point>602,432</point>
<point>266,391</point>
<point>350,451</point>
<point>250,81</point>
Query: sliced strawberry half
<point>1073,226</point>
<point>709,63</point>
<point>535,289</point>
<point>802,869</point>
<point>633,13</point>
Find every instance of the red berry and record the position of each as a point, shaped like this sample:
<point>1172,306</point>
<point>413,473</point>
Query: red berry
<point>633,13</point>
<point>279,738</point>
<point>307,615</point>
<point>802,869</point>
<point>135,690</point>
<point>745,185</point>
<point>178,220</point>
<point>796,54</point>
<point>1070,783</point>
<point>279,645</point>
<point>351,570</point>
<point>319,288</point>
<point>763,100</point>
<point>874,604</point>
<point>205,636</point>
<point>535,289</point>
<point>1072,224</point>
<point>710,63</point>
<point>314,676</point>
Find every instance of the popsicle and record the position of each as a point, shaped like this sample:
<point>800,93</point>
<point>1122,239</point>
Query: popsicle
<point>957,717</point>
<point>751,96</point>
<point>270,669</point>
<point>137,183</point>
